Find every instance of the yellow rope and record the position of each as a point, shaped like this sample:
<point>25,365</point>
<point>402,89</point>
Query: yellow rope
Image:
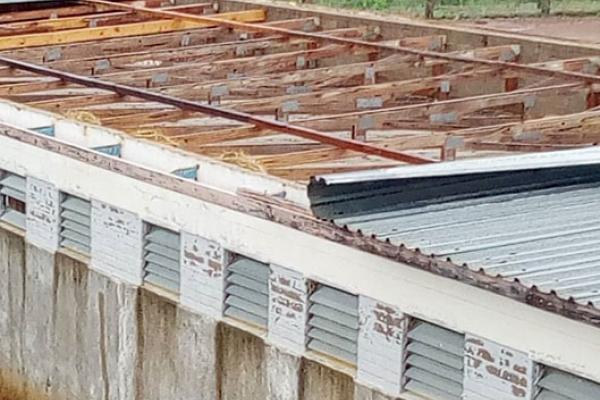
<point>155,134</point>
<point>83,116</point>
<point>243,160</point>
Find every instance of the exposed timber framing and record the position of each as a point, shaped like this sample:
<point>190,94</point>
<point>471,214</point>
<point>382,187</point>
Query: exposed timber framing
<point>283,127</point>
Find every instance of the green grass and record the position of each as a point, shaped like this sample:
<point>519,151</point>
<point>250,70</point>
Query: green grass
<point>470,8</point>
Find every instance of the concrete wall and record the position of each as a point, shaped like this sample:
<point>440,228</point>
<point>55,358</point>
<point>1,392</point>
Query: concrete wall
<point>68,332</point>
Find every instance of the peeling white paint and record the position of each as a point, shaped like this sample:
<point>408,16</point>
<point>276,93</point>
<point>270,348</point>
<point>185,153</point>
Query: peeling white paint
<point>496,372</point>
<point>287,309</point>
<point>116,243</point>
<point>202,275</point>
<point>380,345</point>
<point>43,208</point>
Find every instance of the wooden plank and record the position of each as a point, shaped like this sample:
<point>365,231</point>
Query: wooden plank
<point>135,29</point>
<point>446,114</point>
<point>430,42</point>
<point>58,24</point>
<point>394,93</point>
<point>365,44</point>
<point>572,129</point>
<point>55,12</point>
<point>392,68</point>
<point>188,54</point>
<point>230,68</point>
<point>150,43</point>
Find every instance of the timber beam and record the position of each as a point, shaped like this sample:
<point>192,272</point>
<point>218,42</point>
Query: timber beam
<point>355,43</point>
<point>260,122</point>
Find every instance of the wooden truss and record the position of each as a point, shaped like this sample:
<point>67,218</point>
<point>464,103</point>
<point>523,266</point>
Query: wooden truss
<point>290,97</point>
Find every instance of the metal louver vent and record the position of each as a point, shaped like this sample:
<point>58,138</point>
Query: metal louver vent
<point>434,362</point>
<point>75,223</point>
<point>161,258</point>
<point>558,385</point>
<point>333,323</point>
<point>247,291</point>
<point>13,196</point>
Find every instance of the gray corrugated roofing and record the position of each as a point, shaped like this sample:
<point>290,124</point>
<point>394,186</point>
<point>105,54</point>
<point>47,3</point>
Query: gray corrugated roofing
<point>546,236</point>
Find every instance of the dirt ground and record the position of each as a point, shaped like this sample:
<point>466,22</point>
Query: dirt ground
<point>586,29</point>
<point>580,29</point>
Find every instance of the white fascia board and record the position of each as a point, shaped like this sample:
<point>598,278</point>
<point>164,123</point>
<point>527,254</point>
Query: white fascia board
<point>546,337</point>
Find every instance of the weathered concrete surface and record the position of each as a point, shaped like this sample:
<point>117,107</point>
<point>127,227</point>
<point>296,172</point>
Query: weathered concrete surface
<point>283,375</point>
<point>26,304</point>
<point>364,393</point>
<point>176,352</point>
<point>68,332</point>
<point>12,262</point>
<point>94,334</point>
<point>241,365</point>
<point>320,382</point>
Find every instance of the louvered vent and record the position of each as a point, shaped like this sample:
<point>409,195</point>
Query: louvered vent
<point>161,258</point>
<point>75,223</point>
<point>434,362</point>
<point>12,191</point>
<point>558,385</point>
<point>247,291</point>
<point>333,323</point>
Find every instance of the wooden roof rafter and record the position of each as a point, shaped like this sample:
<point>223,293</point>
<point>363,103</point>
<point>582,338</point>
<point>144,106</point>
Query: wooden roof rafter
<point>311,94</point>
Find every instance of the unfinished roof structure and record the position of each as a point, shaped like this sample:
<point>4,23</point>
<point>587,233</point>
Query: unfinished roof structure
<point>404,147</point>
<point>290,97</point>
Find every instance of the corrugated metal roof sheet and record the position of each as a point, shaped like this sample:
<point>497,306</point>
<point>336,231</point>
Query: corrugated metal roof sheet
<point>536,227</point>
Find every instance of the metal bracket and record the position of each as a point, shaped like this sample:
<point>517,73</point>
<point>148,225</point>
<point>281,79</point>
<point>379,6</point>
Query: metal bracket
<point>216,92</point>
<point>451,145</point>
<point>529,101</point>
<point>53,54</point>
<point>101,65</point>
<point>370,75</point>
<point>445,86</point>
<point>527,136</point>
<point>369,102</point>
<point>283,112</point>
<point>298,89</point>
<point>300,62</point>
<point>443,118</point>
<point>160,77</point>
<point>185,40</point>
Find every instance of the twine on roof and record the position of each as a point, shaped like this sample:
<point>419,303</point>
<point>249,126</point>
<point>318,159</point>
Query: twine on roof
<point>243,160</point>
<point>83,116</point>
<point>155,134</point>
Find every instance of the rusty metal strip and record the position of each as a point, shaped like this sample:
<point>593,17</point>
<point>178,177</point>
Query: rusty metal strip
<point>319,37</point>
<point>279,126</point>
